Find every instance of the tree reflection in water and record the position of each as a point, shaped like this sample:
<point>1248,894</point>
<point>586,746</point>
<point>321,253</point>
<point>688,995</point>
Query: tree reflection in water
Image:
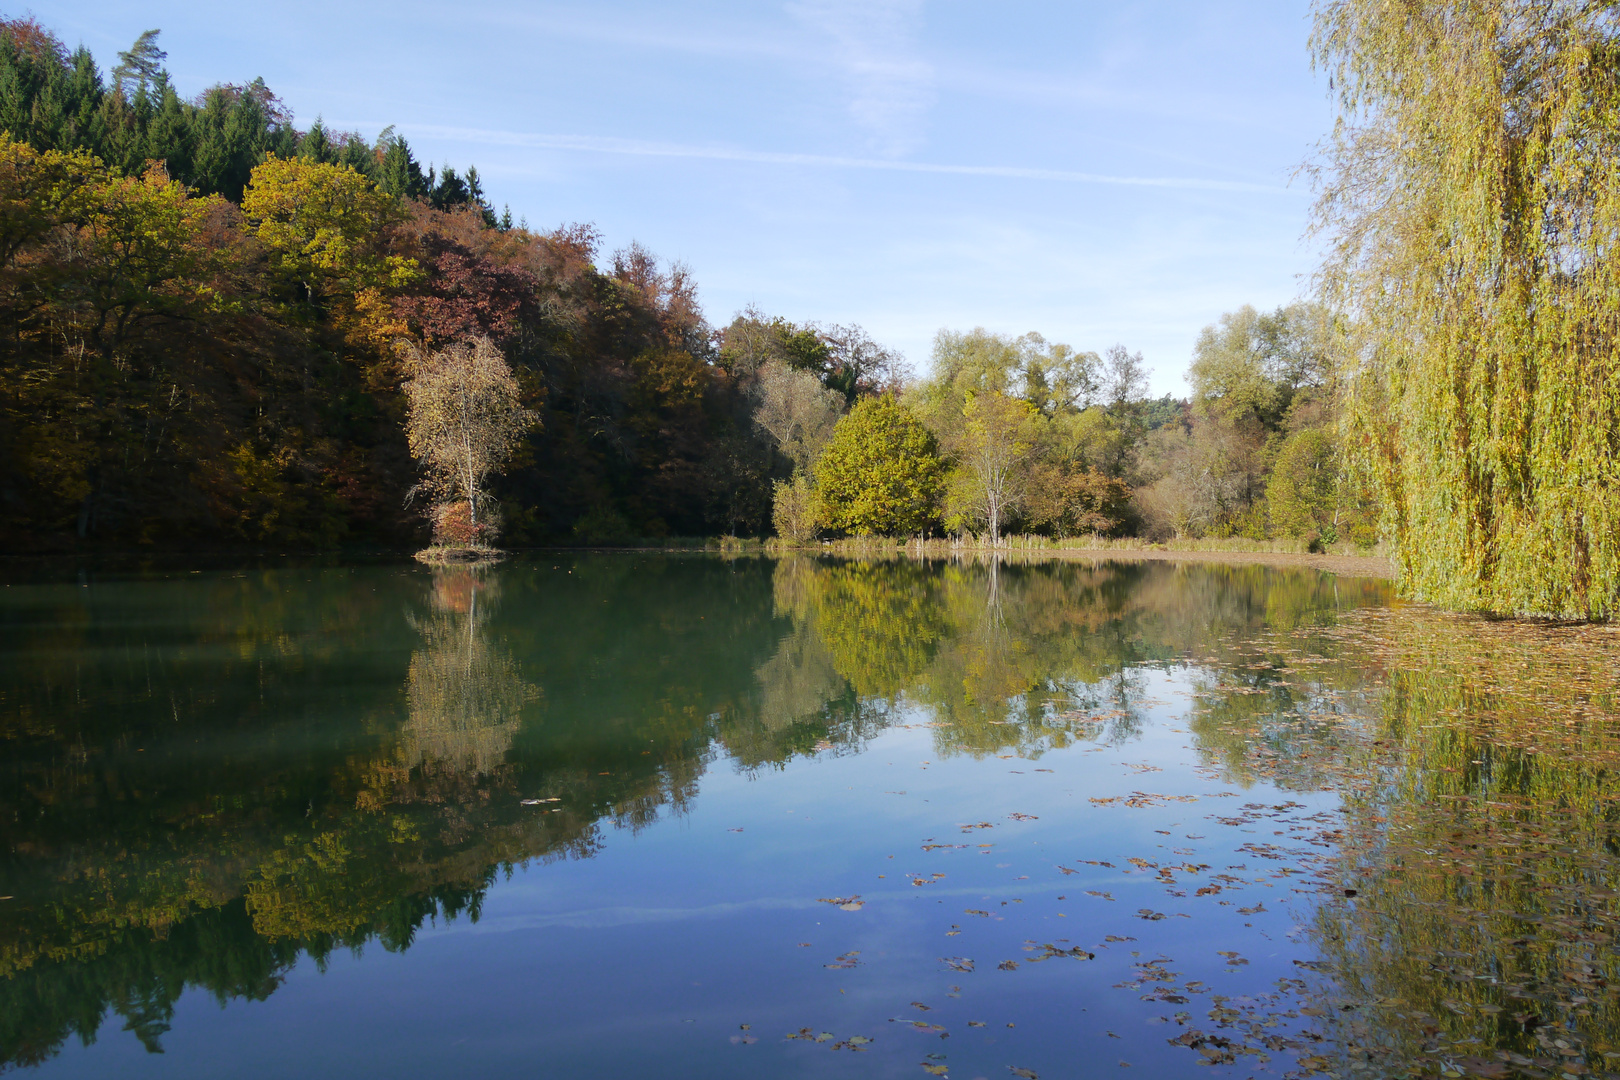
<point>1483,845</point>
<point>464,694</point>
<point>366,772</point>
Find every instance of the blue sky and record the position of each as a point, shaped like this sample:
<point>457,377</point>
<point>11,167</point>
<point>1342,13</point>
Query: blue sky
<point>1099,173</point>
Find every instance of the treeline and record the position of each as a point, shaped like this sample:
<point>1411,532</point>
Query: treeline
<point>214,322</point>
<point>55,99</point>
<point>204,312</point>
<point>1025,435</point>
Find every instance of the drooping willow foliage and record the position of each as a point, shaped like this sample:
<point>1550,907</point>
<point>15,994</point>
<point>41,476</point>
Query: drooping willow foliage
<point>1471,193</point>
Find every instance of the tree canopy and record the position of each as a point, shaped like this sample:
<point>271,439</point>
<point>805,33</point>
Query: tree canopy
<point>1472,203</point>
<point>881,472</point>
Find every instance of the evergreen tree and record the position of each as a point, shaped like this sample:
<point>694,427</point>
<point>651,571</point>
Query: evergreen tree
<point>139,66</point>
<point>475,196</point>
<point>447,190</point>
<point>316,146</point>
<point>397,171</point>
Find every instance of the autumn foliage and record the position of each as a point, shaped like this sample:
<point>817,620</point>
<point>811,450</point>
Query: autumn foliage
<point>179,367</point>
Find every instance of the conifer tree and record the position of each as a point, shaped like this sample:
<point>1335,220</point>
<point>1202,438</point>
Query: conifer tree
<point>316,146</point>
<point>139,66</point>
<point>398,174</point>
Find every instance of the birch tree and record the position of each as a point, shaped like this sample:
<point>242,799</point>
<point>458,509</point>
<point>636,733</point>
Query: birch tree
<point>994,448</point>
<point>464,418</point>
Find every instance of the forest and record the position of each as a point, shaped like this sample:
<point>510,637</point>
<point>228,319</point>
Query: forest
<point>214,319</point>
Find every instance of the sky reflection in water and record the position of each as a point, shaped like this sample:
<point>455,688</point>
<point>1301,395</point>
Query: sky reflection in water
<point>638,815</point>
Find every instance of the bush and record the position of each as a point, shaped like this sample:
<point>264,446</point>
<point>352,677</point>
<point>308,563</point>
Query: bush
<point>796,509</point>
<point>453,525</point>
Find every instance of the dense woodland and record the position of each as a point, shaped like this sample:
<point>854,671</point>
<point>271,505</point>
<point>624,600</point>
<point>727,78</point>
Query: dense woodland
<point>205,310</point>
<point>211,316</point>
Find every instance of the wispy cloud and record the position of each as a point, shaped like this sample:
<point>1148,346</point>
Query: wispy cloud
<point>874,43</point>
<point>599,144</point>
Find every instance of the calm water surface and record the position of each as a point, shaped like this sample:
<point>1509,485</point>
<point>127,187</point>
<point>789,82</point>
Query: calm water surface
<point>627,815</point>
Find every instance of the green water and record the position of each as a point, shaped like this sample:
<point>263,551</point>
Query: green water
<point>630,815</point>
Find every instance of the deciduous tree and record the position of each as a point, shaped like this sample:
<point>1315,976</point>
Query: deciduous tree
<point>796,509</point>
<point>464,419</point>
<point>796,411</point>
<point>881,472</point>
<point>1472,204</point>
<point>993,450</point>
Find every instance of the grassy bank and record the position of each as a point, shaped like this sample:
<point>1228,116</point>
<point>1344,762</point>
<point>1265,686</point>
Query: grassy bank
<point>1035,545</point>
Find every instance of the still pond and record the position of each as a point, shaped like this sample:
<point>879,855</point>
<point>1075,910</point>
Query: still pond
<point>630,815</point>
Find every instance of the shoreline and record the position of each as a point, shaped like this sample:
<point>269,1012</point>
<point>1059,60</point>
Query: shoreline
<point>1371,566</point>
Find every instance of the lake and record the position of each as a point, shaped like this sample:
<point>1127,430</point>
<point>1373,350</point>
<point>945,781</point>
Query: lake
<point>695,816</point>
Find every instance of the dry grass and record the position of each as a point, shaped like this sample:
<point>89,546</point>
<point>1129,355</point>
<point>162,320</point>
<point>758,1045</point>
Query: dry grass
<point>459,554</point>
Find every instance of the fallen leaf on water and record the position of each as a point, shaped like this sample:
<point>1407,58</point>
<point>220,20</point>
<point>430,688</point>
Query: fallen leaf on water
<point>845,903</point>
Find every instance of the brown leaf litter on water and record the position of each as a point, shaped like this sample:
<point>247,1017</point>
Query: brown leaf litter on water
<point>844,903</point>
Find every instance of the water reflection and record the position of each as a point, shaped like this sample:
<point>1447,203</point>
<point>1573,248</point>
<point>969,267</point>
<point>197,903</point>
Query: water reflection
<point>212,777</point>
<point>464,693</point>
<point>1483,837</point>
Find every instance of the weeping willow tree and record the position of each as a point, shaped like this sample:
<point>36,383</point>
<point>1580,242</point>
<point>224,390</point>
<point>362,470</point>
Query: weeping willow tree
<point>1471,195</point>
